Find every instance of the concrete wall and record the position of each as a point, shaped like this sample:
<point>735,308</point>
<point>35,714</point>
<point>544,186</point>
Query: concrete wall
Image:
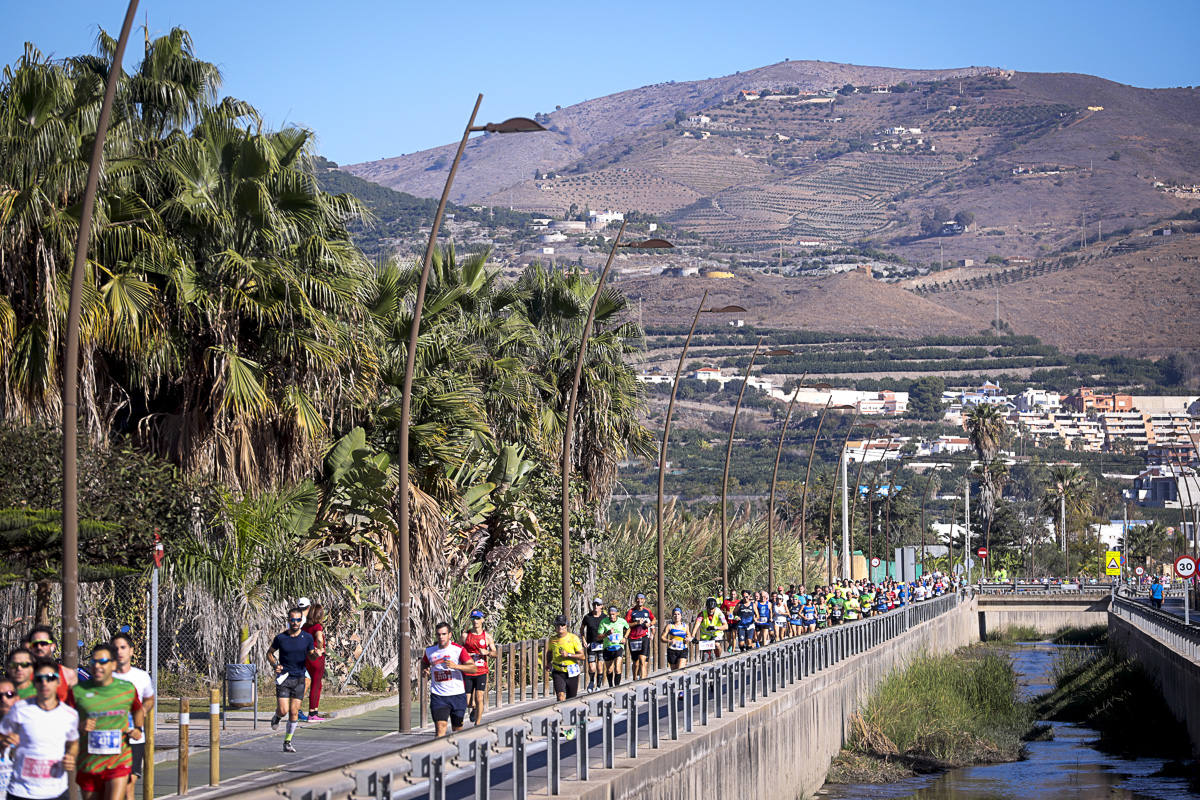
<point>779,747</point>
<point>1177,676</point>
<point>1046,614</point>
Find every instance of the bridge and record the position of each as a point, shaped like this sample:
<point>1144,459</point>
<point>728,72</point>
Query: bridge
<point>729,727</point>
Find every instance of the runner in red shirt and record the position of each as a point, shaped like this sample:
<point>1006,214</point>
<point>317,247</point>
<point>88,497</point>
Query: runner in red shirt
<point>480,645</point>
<point>641,626</point>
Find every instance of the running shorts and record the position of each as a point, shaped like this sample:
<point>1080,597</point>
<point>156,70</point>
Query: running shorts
<point>638,649</point>
<point>94,781</point>
<point>612,655</point>
<point>451,707</point>
<point>673,656</point>
<point>475,683</point>
<point>293,687</point>
<point>564,684</point>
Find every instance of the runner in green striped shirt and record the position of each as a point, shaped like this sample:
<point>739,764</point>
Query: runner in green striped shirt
<point>104,707</point>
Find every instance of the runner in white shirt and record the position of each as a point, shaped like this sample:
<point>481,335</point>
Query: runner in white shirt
<point>125,671</point>
<point>45,733</point>
<point>445,663</point>
<point>8,698</point>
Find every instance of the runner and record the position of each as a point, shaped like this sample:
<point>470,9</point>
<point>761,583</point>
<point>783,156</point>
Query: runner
<point>744,613</point>
<point>479,643</point>
<point>808,616</point>
<point>445,664</point>
<point>780,610</point>
<point>796,613</point>
<point>641,626</point>
<point>105,706</point>
<point>853,609</point>
<point>1156,593</point>
<point>763,619</point>
<point>706,630</point>
<point>45,734</point>
<point>613,630</point>
<point>676,635</point>
<point>589,632</point>
<point>303,604</point>
<point>141,681</point>
<point>42,645</point>
<point>8,699</point>
<point>292,647</point>
<point>564,655</point>
<point>20,670</point>
<point>314,665</point>
<point>837,608</point>
<point>822,611</point>
<point>728,608</point>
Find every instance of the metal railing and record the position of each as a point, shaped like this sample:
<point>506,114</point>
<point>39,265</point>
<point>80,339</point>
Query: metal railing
<point>1038,588</point>
<point>1169,629</point>
<point>517,754</point>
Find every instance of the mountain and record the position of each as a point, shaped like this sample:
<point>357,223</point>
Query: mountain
<point>1028,159</point>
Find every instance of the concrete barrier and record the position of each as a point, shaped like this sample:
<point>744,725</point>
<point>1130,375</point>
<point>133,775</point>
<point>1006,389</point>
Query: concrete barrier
<point>1045,614</point>
<point>781,746</point>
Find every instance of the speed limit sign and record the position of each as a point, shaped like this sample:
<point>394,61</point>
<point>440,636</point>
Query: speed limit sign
<point>1139,571</point>
<point>875,561</point>
<point>1185,567</point>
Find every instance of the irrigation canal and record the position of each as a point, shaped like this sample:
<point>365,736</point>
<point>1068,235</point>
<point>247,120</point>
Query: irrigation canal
<point>1066,768</point>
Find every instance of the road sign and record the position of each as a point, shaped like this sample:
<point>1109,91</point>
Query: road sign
<point>1139,571</point>
<point>981,552</point>
<point>875,562</point>
<point>1112,562</point>
<point>1185,567</point>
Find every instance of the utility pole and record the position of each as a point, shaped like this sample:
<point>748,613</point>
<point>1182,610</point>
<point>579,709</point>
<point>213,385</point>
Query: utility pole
<point>1062,522</point>
<point>845,518</point>
<point>967,533</point>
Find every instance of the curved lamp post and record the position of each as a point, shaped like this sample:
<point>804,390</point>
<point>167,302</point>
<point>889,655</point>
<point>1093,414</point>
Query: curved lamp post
<point>887,508</point>
<point>569,425</point>
<point>871,426</point>
<point>924,502</point>
<point>660,604</point>
<point>812,451</point>
<point>774,476</point>
<point>70,381</point>
<point>871,499</point>
<point>728,454</point>
<point>404,578</point>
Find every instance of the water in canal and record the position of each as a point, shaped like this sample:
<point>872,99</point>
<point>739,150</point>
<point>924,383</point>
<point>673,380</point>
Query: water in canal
<point>1067,768</point>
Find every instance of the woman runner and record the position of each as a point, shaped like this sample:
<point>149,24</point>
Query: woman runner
<point>675,634</point>
<point>479,645</point>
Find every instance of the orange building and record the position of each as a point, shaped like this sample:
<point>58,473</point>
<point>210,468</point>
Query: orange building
<point>1086,400</point>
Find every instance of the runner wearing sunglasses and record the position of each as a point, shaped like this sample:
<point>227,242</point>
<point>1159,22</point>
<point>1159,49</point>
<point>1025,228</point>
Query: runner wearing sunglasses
<point>45,734</point>
<point>20,671</point>
<point>105,706</point>
<point>293,647</point>
<point>42,645</point>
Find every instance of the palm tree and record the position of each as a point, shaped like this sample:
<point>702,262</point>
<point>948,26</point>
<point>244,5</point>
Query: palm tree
<point>1067,488</point>
<point>986,429</point>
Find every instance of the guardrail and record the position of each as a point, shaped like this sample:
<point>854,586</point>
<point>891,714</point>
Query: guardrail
<point>1041,588</point>
<point>518,752</point>
<point>1169,629</point>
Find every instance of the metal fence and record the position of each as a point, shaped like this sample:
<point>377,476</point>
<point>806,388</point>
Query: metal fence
<point>516,754</point>
<point>1169,629</point>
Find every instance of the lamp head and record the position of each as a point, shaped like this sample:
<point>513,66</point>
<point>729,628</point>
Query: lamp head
<point>514,125</point>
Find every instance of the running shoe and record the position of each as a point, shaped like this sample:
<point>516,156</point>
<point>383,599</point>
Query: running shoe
<point>569,734</point>
<point>303,717</point>
<point>275,721</point>
<point>288,747</point>
<point>316,718</point>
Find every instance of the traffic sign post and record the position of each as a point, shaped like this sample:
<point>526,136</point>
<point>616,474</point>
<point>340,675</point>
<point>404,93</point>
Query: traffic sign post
<point>981,552</point>
<point>1139,571</point>
<point>1185,568</point>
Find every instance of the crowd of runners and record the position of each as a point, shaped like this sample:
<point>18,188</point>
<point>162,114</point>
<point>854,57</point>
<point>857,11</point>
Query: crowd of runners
<point>608,636</point>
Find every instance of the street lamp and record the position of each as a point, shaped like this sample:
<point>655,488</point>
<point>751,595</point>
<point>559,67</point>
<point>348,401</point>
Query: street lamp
<point>569,427</point>
<point>660,605</point>
<point>404,578</point>
<point>924,501</point>
<point>728,454</point>
<point>70,383</point>
<point>874,488</point>
<point>812,451</point>
<point>872,427</point>
<point>846,572</point>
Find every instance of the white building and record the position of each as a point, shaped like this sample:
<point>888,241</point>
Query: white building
<point>1038,400</point>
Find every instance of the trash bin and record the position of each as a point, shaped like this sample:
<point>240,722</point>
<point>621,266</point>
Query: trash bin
<point>239,685</point>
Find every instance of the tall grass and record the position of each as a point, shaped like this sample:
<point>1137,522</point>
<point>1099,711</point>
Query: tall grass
<point>954,709</point>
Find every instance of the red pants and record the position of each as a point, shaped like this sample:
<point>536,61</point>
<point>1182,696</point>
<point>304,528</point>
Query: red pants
<point>316,672</point>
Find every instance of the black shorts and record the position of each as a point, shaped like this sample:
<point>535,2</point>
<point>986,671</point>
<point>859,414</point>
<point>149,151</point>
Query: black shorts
<point>762,626</point>
<point>565,685</point>
<point>138,749</point>
<point>674,656</point>
<point>475,683</point>
<point>293,688</point>
<point>642,650</point>
<point>745,634</point>
<point>612,655</point>
<point>451,707</point>
<point>593,656</point>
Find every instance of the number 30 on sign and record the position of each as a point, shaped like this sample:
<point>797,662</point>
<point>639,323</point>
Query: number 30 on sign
<point>1185,567</point>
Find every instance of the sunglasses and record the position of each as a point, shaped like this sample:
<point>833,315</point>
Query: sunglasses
<point>99,661</point>
<point>21,664</point>
<point>41,642</point>
<point>296,619</point>
<point>8,695</point>
<point>47,678</point>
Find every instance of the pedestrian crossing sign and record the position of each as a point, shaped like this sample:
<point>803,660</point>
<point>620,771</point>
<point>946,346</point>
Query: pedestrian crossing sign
<point>1112,562</point>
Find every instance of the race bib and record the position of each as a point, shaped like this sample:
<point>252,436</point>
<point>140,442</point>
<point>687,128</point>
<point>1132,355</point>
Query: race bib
<point>443,675</point>
<point>595,647</point>
<point>104,743</point>
<point>707,645</point>
<point>40,768</point>
<point>676,645</point>
<point>635,645</point>
<point>480,660</point>
<point>615,637</point>
<point>572,670</point>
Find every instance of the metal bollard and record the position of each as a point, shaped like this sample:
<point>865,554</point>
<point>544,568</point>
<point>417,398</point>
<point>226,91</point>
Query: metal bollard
<point>437,777</point>
<point>609,734</point>
<point>579,718</point>
<point>629,700</point>
<point>214,736</point>
<point>148,767</point>
<point>184,722</point>
<point>672,709</point>
<point>550,726</point>
<point>704,679</point>
<point>652,697</point>
<point>479,752</point>
<point>520,765</point>
<point>687,703</point>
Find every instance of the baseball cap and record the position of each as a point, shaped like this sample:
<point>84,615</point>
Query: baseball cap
<point>641,596</point>
<point>614,609</point>
<point>597,602</point>
<point>477,614</point>
<point>560,620</point>
<point>303,602</point>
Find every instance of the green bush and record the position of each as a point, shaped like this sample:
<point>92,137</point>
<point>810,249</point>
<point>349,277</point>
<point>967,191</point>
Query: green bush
<point>371,679</point>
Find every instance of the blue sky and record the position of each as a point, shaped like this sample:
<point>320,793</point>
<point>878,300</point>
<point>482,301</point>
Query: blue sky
<point>377,78</point>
